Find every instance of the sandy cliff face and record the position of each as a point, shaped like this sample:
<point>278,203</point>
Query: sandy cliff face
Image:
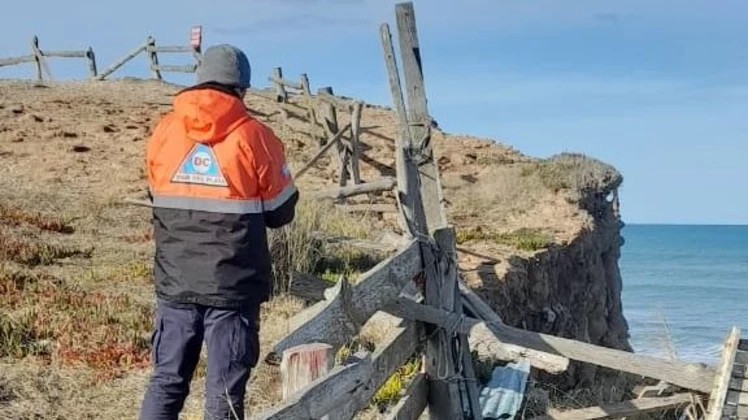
<point>573,287</point>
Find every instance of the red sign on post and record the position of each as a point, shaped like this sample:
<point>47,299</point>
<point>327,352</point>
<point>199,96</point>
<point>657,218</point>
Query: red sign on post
<point>196,37</point>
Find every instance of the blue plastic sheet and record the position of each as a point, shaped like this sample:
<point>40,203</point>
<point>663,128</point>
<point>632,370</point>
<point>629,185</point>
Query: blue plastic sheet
<point>502,396</point>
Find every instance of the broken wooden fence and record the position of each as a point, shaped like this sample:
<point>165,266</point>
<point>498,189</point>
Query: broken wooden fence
<point>439,321</point>
<point>150,47</point>
<point>321,112</point>
<point>39,58</point>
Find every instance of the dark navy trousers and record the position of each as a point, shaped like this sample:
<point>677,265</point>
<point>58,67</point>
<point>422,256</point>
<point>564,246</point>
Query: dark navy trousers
<point>231,338</point>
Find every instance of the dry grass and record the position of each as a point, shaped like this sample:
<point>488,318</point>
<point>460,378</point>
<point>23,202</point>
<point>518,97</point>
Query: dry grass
<point>524,239</point>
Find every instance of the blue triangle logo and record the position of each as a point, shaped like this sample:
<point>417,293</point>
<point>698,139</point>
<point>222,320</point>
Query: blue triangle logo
<point>200,166</point>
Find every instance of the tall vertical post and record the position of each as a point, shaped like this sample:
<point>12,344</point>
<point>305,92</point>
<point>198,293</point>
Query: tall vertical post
<point>37,57</point>
<point>418,116</point>
<point>355,146</point>
<point>280,91</point>
<point>92,71</point>
<point>311,112</point>
<point>329,115</point>
<point>155,72</point>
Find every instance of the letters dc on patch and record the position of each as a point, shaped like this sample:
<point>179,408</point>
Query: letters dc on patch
<point>200,167</point>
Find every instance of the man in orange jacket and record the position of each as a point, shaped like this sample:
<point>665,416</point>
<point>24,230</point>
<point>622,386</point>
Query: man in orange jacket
<point>218,178</point>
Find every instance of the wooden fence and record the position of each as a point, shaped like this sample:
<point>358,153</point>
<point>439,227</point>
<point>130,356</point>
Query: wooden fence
<point>322,115</point>
<point>39,58</point>
<point>433,315</point>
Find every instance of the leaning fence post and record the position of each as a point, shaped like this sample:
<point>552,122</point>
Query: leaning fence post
<point>155,71</point>
<point>280,91</point>
<point>91,62</point>
<point>37,57</point>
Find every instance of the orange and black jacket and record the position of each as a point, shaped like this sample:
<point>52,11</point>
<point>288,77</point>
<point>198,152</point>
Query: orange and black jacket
<point>217,178</point>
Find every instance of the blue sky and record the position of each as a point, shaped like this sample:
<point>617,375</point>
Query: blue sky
<point>655,88</point>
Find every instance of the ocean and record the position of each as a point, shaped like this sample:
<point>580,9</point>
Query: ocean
<point>684,287</point>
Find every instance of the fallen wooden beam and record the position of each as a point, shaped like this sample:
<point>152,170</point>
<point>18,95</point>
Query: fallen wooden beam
<point>339,318</point>
<point>617,410</point>
<point>482,337</point>
<point>413,403</point>
<point>121,62</point>
<point>337,193</point>
<point>685,375</point>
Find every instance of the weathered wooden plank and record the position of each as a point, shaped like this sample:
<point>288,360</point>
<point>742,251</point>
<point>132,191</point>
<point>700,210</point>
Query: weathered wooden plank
<point>91,62</point>
<point>304,364</point>
<point>171,49</point>
<point>482,337</point>
<point>721,380</point>
<point>121,62</point>
<point>685,375</point>
<point>16,60</point>
<point>330,143</point>
<point>413,403</point>
<point>337,319</point>
<point>286,83</point>
<point>169,68</point>
<point>418,116</point>
<point>396,349</point>
<point>323,395</point>
<point>407,174</point>
<point>355,141</point>
<point>617,410</point>
<point>739,384</point>
<point>151,50</point>
<point>64,54</point>
<point>336,193</point>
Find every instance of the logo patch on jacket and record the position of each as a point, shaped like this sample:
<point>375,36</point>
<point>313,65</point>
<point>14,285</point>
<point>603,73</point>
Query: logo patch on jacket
<point>200,166</point>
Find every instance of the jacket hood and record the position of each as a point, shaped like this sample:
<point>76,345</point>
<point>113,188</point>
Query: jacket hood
<point>209,115</point>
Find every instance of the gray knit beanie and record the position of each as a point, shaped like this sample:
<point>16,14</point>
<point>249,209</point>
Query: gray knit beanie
<point>224,64</point>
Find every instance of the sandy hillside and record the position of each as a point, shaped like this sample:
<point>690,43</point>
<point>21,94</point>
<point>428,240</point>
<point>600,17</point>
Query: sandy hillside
<point>70,152</point>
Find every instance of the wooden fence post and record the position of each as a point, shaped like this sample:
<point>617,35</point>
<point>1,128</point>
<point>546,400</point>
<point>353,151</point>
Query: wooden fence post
<point>418,116</point>
<point>311,113</point>
<point>91,62</point>
<point>355,146</point>
<point>329,117</point>
<point>37,57</point>
<point>407,188</point>
<point>155,72</point>
<point>280,91</point>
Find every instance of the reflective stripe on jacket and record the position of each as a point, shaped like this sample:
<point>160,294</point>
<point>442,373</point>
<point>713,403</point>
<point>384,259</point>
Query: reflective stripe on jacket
<point>218,178</point>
